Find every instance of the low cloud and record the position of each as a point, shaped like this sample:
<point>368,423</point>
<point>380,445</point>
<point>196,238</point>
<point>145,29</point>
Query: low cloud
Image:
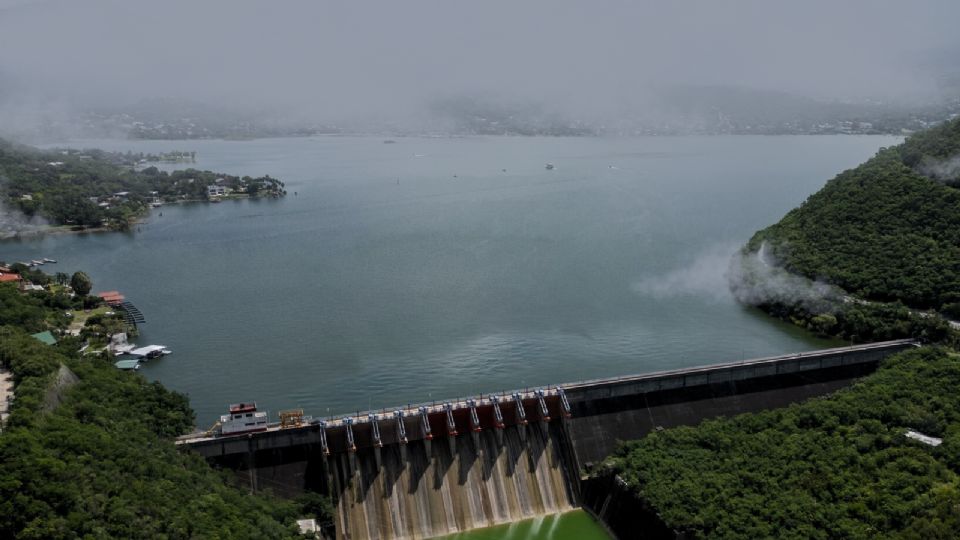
<point>13,222</point>
<point>756,278</point>
<point>705,276</point>
<point>942,170</point>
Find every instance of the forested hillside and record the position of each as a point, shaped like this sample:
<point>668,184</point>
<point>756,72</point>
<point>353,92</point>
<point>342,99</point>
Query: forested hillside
<point>102,463</point>
<point>863,259</point>
<point>836,467</point>
<point>886,230</point>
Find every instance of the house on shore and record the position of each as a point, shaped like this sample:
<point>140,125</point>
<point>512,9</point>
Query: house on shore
<point>113,298</point>
<point>9,277</point>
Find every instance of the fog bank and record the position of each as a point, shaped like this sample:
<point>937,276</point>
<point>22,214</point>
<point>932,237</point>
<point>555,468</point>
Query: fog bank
<point>390,63</point>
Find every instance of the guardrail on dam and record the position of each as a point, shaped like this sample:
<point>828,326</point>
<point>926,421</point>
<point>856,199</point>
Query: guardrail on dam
<point>436,468</point>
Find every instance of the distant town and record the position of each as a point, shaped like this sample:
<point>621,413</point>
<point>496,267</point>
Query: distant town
<point>679,111</point>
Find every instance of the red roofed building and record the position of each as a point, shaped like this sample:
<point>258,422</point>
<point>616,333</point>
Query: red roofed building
<point>111,297</point>
<point>10,278</point>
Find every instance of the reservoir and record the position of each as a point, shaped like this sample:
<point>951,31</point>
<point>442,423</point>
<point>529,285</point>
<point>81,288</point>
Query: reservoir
<point>440,267</point>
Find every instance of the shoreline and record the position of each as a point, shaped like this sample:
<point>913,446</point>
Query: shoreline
<point>60,229</point>
<point>140,220</point>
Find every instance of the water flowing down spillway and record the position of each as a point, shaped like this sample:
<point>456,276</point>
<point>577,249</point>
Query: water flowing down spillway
<point>432,488</point>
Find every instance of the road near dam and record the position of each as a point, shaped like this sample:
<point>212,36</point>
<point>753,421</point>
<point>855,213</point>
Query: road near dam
<point>436,468</point>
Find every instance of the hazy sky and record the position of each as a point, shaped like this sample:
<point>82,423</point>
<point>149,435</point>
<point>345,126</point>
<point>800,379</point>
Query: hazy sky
<point>385,57</point>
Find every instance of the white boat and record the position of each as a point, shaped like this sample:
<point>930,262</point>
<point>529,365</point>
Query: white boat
<point>243,418</point>
<point>149,352</point>
<point>49,260</point>
<point>36,262</point>
<point>120,350</point>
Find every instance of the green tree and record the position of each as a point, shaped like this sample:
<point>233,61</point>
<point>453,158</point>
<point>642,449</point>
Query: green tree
<point>81,284</point>
<point>834,467</point>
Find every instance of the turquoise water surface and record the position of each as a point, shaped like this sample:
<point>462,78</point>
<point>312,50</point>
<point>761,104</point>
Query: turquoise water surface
<point>575,525</point>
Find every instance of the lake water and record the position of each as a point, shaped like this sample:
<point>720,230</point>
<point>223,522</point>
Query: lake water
<point>434,268</point>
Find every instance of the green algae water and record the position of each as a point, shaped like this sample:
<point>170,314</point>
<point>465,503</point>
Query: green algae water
<point>575,525</point>
<point>434,268</point>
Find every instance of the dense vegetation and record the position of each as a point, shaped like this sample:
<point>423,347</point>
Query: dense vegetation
<point>836,467</point>
<point>935,152</point>
<point>888,230</point>
<point>885,236</point>
<point>102,463</point>
<point>871,256</point>
<point>93,188</point>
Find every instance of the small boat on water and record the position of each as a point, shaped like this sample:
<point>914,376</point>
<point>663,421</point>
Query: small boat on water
<point>243,418</point>
<point>36,262</point>
<point>150,352</point>
<point>49,260</point>
<point>549,166</point>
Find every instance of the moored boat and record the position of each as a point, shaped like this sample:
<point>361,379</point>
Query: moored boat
<point>243,418</point>
<point>149,352</point>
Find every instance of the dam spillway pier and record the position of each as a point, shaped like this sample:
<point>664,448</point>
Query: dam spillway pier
<point>509,455</point>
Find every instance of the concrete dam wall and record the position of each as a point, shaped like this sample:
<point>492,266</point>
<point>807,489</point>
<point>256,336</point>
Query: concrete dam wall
<point>435,468</point>
<point>430,488</point>
<point>630,407</point>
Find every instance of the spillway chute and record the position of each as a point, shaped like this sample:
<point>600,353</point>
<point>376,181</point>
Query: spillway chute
<point>451,425</point>
<point>474,419</point>
<point>564,402</point>
<point>351,444</point>
<point>544,412</point>
<point>375,429</point>
<point>425,424</point>
<point>401,429</point>
<point>521,413</point>
<point>497,414</point>
<point>323,438</point>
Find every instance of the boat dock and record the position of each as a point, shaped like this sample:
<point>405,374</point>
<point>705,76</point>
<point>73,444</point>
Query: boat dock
<point>150,351</point>
<point>131,315</point>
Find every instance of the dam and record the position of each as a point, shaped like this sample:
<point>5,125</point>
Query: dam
<point>435,468</point>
